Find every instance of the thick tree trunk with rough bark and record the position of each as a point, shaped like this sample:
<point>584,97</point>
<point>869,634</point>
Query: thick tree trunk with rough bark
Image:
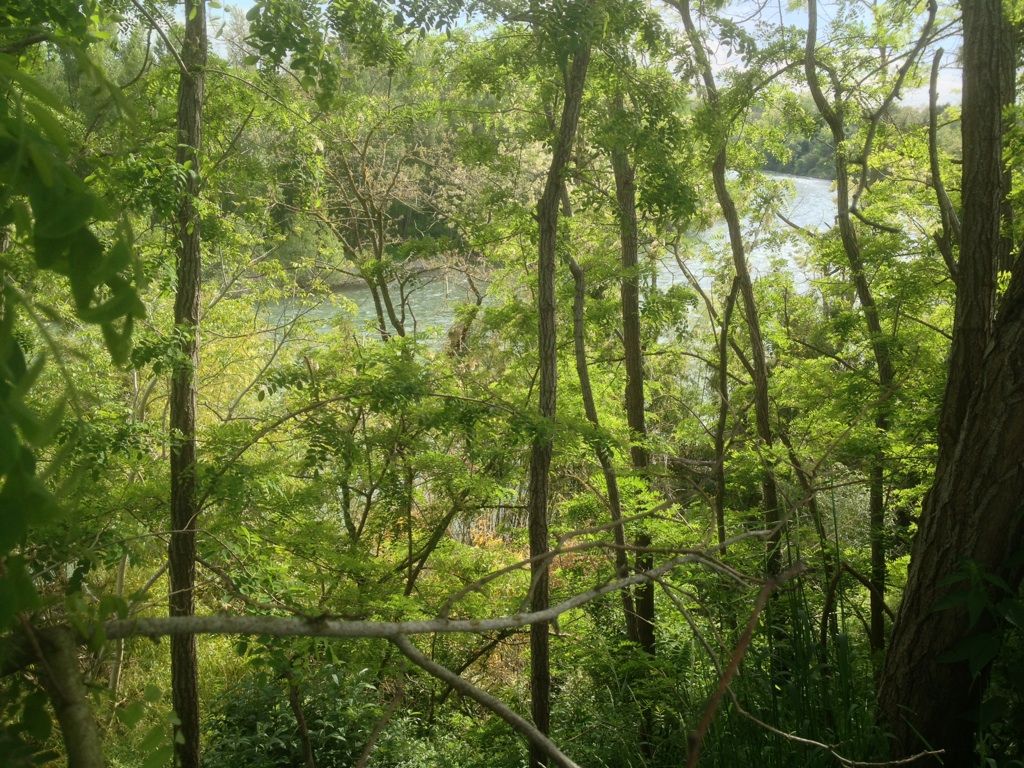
<point>540,458</point>
<point>983,247</point>
<point>184,505</point>
<point>974,514</point>
<point>61,678</point>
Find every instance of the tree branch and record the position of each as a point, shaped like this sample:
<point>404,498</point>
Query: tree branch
<point>526,729</point>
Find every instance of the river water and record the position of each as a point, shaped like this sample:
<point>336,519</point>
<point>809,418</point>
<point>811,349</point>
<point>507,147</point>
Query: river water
<point>810,203</point>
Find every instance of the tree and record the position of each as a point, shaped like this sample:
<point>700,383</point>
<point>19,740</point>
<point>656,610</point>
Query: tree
<point>759,366</point>
<point>965,563</point>
<point>540,455</point>
<point>365,505</point>
<point>184,468</point>
<point>848,195</point>
<point>51,221</point>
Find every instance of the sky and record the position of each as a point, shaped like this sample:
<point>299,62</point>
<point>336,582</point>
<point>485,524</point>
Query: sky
<point>790,12</point>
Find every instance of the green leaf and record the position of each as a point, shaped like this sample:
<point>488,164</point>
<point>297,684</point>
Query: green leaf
<point>50,125</point>
<point>35,717</point>
<point>43,163</point>
<point>154,738</point>
<point>17,592</point>
<point>160,758</point>
<point>9,446</point>
<point>122,304</point>
<point>60,214</point>
<point>131,714</point>
<point>978,650</point>
<point>1012,609</point>
<point>10,69</point>
<point>117,258</point>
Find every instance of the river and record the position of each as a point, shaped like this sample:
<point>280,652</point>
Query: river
<point>811,205</point>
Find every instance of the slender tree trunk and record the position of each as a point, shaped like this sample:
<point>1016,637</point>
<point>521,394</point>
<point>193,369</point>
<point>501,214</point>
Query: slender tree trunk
<point>973,515</point>
<point>62,680</point>
<point>184,507</point>
<point>949,235</point>
<point>629,291</point>
<point>722,376</point>
<point>632,344</point>
<point>378,307</point>
<point>604,455</point>
<point>878,340</point>
<point>385,293</point>
<point>540,458</point>
<point>759,365</point>
<point>295,702</point>
<point>603,452</point>
<point>117,663</point>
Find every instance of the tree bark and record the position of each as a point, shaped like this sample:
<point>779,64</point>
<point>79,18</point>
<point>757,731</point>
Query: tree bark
<point>604,454</point>
<point>60,676</point>
<point>832,115</point>
<point>184,506</point>
<point>982,248</point>
<point>540,458</point>
<point>629,292</point>
<point>972,517</point>
<point>759,365</point>
<point>973,514</point>
<point>949,234</point>
<point>632,345</point>
<point>295,702</point>
<point>722,375</point>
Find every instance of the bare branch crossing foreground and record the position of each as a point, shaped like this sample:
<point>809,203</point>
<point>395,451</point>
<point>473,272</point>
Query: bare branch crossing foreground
<point>326,626</point>
<point>18,651</point>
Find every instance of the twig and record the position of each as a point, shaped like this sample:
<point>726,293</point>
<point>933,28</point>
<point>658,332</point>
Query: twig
<point>697,737</point>
<point>163,36</point>
<point>845,761</point>
<point>498,707</point>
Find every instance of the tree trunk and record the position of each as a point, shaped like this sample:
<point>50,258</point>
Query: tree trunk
<point>604,454</point>
<point>832,114</point>
<point>69,696</point>
<point>722,376</point>
<point>973,514</point>
<point>629,293</point>
<point>540,458</point>
<point>378,307</point>
<point>983,190</point>
<point>295,702</point>
<point>184,506</point>
<point>759,365</point>
<point>936,669</point>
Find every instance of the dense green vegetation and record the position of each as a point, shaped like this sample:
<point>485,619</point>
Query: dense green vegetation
<point>465,384</point>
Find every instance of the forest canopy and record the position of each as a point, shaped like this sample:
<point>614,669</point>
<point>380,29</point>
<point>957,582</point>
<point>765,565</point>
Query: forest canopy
<point>498,384</point>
